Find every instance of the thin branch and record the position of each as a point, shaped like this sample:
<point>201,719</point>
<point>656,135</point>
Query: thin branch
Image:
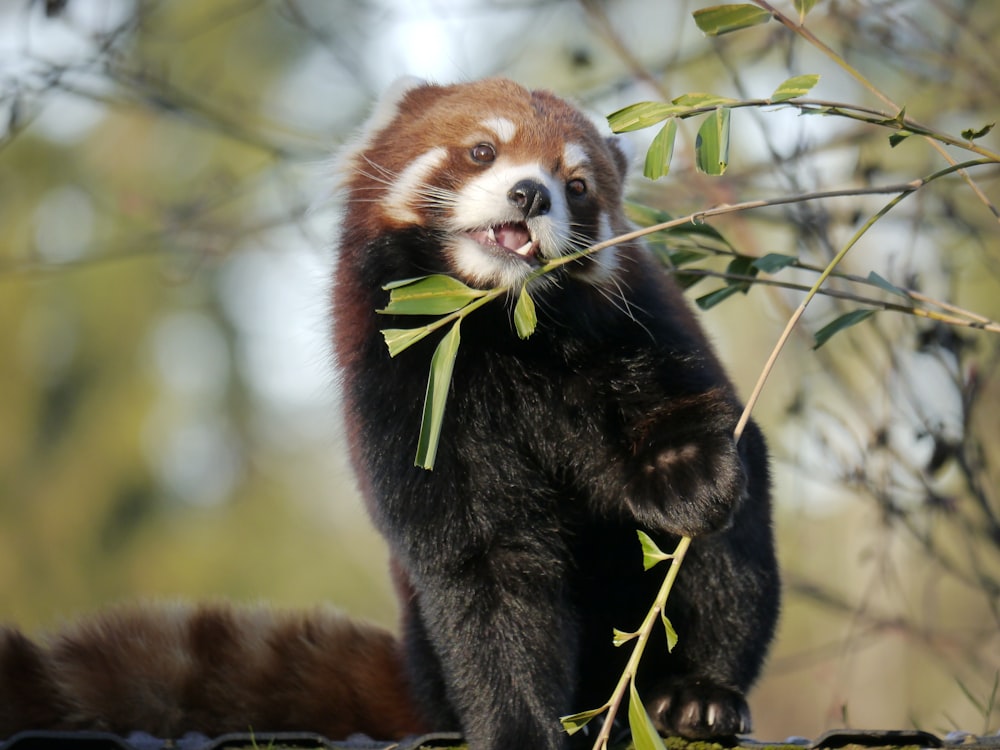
<point>642,637</point>
<point>698,217</point>
<point>962,318</point>
<point>599,17</point>
<point>806,34</point>
<point>800,310</point>
<point>815,41</point>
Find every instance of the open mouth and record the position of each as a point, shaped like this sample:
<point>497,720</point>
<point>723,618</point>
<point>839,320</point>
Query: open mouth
<point>512,237</point>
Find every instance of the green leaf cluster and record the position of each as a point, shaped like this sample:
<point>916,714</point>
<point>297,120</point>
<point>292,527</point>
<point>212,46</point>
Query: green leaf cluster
<point>712,140</point>
<point>428,295</point>
<point>644,734</point>
<point>680,245</point>
<point>744,269</point>
<point>449,298</point>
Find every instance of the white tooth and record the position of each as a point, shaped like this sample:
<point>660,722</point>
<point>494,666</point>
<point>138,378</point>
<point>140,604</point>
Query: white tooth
<point>525,249</point>
<point>491,235</point>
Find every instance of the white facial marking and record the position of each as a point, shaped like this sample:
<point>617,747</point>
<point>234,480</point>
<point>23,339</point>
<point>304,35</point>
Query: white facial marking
<point>348,159</point>
<point>605,263</point>
<point>409,187</point>
<point>483,201</point>
<point>478,267</point>
<point>501,127</point>
<point>604,230</point>
<point>574,156</point>
<point>388,105</point>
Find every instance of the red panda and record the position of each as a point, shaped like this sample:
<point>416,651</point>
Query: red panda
<point>517,555</point>
<point>211,668</point>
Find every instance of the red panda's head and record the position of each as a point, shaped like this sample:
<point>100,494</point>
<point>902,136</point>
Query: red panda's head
<point>507,177</point>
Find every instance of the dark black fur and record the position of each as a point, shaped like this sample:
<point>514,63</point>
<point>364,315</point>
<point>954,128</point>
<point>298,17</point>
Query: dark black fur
<point>518,552</point>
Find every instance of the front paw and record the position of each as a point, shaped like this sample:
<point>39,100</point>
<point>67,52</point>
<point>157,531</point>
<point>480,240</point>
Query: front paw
<point>687,477</point>
<point>699,710</point>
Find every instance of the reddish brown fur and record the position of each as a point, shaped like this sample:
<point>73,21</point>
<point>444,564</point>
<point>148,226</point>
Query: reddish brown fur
<point>419,127</point>
<point>213,668</point>
<point>28,696</point>
<point>425,118</point>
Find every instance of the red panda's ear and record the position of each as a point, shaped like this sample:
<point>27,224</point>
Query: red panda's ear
<point>622,153</point>
<point>395,90</point>
<point>385,111</point>
<point>388,104</point>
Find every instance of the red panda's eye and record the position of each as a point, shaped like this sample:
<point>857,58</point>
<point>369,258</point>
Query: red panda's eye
<point>576,188</point>
<point>484,153</point>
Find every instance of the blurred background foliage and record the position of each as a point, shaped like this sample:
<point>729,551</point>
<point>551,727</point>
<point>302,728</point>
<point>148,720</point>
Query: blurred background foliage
<point>168,412</point>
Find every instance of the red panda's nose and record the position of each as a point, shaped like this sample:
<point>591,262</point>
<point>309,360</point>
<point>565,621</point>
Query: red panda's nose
<point>531,197</point>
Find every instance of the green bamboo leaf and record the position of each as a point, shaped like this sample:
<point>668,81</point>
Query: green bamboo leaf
<point>679,258</point>
<point>687,280</point>
<point>646,216</point>
<point>398,339</point>
<point>671,633</point>
<point>971,135</point>
<point>428,295</point>
<point>696,100</point>
<point>710,300</point>
<point>803,7</point>
<point>773,262</point>
<point>743,265</point>
<point>883,283</point>
<point>722,19</point>
<point>403,282</point>
<point>847,320</point>
<point>661,150</point>
<point>793,87</point>
<point>651,554</point>
<point>620,637</point>
<point>644,734</point>
<point>896,138</point>
<point>575,722</point>
<point>712,144</point>
<point>438,383</point>
<point>640,115</point>
<point>525,318</point>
